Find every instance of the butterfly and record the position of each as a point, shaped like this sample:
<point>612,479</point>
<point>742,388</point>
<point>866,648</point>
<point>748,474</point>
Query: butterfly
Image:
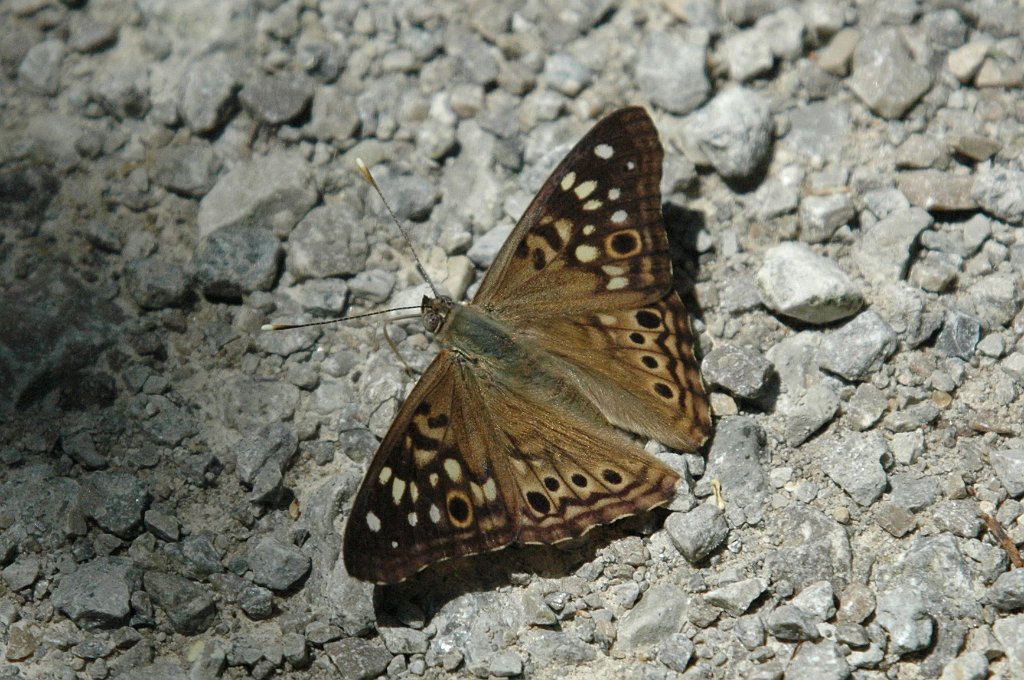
<point>510,435</point>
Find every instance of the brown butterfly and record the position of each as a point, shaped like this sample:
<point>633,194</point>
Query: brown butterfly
<point>508,437</point>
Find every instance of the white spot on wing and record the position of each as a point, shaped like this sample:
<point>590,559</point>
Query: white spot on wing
<point>491,490</point>
<point>397,489</point>
<point>592,204</point>
<point>586,253</point>
<point>619,216</point>
<point>435,514</point>
<point>584,189</point>
<point>414,491</point>
<point>613,270</point>
<point>618,283</point>
<point>385,475</point>
<point>603,151</point>
<point>434,478</point>
<point>568,181</point>
<point>413,518</point>
<point>453,469</point>
<point>614,194</point>
<point>630,165</point>
<point>373,522</point>
<point>588,229</point>
<point>394,545</point>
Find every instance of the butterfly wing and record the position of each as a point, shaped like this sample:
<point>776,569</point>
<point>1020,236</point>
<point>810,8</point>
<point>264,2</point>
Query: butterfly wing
<point>638,368</point>
<point>594,286</point>
<point>593,238</point>
<point>468,467</point>
<point>431,491</point>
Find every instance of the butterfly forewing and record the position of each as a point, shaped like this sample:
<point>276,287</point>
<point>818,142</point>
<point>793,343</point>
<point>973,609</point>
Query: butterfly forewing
<point>431,492</point>
<point>593,235</point>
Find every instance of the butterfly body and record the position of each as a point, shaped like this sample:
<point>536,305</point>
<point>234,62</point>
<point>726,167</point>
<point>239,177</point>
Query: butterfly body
<point>508,437</point>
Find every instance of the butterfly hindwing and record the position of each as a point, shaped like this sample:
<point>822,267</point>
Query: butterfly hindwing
<point>594,233</point>
<point>638,367</point>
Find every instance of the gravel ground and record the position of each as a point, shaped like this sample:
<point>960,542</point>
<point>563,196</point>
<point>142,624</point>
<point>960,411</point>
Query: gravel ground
<point>843,185</point>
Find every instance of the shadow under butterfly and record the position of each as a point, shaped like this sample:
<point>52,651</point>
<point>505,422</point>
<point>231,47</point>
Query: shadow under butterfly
<point>513,434</point>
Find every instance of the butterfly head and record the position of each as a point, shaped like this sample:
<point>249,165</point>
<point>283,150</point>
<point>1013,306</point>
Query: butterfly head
<point>434,311</point>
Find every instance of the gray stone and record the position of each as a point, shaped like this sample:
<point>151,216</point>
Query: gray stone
<point>967,666</point>
<point>912,492</point>
<point>278,98</point>
<point>784,31</point>
<point>821,216</point>
<point>885,76</point>
<point>400,640</point>
<point>733,132</point>
<point>856,603</point>
<point>884,251</point>
<point>813,548</point>
<point>256,602</point>
<point>671,72</point>
<point>925,593</point>
<point>236,260</point>
<point>735,598</point>
<point>411,197</point>
<point>21,573</point>
<point>895,519</point>
<point>791,623</point>
<point>835,57</point>
<point>506,664</point>
<point>920,152</point>
<point>699,532</point>
<point>39,71</point>
<point>82,449</point>
<point>819,661</point>
<point>859,348</point>
<point>272,192</point>
<point>320,297</point>
<point>660,614</point>
<point>1007,593</point>
<point>1008,465</point>
<point>1000,192</point>
<point>1009,632</point>
<point>357,658</point>
<point>98,593</point>
<point>749,630</point>
<point>676,652</point>
<point>189,606</point>
<point>272,445</point>
<point>63,326</point>
<point>959,335</point>
<point>815,408</point>
<point>817,600</point>
<point>852,634</point>
<point>115,501</point>
<point>162,525</point>
<point>853,461</point>
<point>208,89</point>
<point>279,566</point>
<point>903,615</point>
<point>210,660</point>
<point>937,191</point>
<point>333,117</point>
<point>565,74</point>
<point>550,648</point>
<point>742,371</point>
<point>735,460</point>
<point>156,283</point>
<point>89,34</point>
<point>485,249</point>
<point>797,282</point>
<point>865,407</point>
<point>905,309</point>
<point>186,169</point>
<point>122,89</point>
<point>748,54</point>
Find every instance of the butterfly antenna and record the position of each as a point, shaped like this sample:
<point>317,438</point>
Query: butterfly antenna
<point>290,326</point>
<point>405,234</point>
